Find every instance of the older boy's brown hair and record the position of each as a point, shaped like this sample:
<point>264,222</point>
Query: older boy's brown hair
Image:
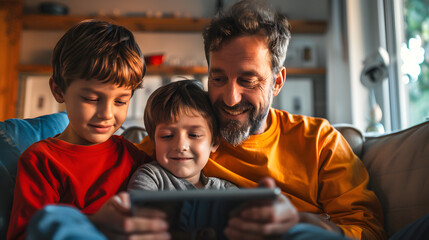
<point>95,49</point>
<point>169,101</point>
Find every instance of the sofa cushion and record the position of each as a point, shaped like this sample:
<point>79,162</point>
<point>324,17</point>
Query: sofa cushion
<point>15,136</point>
<point>398,165</point>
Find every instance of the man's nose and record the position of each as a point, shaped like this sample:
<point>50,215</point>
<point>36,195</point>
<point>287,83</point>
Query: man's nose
<point>232,94</point>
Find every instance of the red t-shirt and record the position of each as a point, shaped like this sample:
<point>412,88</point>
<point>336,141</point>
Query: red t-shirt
<point>53,171</point>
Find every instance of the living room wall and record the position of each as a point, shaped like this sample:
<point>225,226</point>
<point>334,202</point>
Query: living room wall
<point>36,45</point>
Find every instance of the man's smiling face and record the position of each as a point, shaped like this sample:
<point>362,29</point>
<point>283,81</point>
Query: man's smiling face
<point>241,87</point>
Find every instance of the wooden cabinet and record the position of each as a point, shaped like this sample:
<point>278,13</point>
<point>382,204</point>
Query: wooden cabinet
<point>10,30</point>
<point>12,22</point>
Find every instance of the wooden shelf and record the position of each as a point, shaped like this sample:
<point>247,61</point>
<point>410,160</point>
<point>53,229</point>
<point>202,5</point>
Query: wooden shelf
<point>159,70</point>
<point>305,71</point>
<point>174,70</point>
<point>54,22</point>
<point>35,69</point>
<point>304,26</point>
<point>171,70</point>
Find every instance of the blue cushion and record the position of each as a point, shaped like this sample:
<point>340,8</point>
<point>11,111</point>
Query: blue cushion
<point>15,136</point>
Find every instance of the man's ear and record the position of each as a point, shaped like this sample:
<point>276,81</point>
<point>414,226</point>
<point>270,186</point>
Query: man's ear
<point>56,91</point>
<point>279,81</point>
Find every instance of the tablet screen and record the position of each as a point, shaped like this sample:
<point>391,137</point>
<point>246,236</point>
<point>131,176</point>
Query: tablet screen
<point>192,211</point>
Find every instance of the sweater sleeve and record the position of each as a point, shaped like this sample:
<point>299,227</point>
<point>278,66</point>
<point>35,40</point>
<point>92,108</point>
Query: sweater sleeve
<point>35,187</point>
<point>144,178</point>
<point>343,191</point>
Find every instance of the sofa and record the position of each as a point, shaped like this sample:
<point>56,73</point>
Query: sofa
<point>398,164</point>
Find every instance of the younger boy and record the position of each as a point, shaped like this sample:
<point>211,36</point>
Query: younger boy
<point>180,121</point>
<point>96,68</point>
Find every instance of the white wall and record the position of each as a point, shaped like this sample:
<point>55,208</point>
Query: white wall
<point>338,84</point>
<point>353,35</point>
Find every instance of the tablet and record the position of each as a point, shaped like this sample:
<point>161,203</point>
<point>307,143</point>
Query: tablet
<point>191,212</point>
<point>143,197</point>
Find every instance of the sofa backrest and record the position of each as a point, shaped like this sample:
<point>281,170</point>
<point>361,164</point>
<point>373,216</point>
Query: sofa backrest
<point>353,136</point>
<point>398,165</point>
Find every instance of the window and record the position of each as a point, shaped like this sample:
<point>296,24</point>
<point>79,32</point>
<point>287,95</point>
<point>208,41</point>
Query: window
<point>407,37</point>
<point>415,56</point>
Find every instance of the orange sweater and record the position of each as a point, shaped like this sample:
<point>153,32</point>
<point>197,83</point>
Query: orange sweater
<point>313,165</point>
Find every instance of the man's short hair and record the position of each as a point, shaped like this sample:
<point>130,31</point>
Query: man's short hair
<point>94,49</point>
<point>168,102</point>
<point>249,17</point>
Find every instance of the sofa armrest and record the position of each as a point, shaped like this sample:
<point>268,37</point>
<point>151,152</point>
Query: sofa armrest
<point>15,136</point>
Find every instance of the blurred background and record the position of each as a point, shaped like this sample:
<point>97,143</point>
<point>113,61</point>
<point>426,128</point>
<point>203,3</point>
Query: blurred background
<point>359,62</point>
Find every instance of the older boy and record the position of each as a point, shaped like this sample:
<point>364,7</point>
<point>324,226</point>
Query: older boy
<point>96,68</point>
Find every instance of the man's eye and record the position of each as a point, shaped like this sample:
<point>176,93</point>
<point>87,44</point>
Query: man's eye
<point>217,80</point>
<point>246,81</point>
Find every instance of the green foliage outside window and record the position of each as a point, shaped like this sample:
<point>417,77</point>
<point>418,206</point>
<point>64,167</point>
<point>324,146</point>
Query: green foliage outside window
<point>416,13</point>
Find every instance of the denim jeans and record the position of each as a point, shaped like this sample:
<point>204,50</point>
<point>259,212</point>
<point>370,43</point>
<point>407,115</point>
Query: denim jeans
<point>305,231</point>
<point>61,223</point>
<point>418,229</point>
<point>67,223</point>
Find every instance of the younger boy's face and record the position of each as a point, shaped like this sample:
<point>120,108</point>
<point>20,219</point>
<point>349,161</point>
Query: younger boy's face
<point>95,110</point>
<point>183,148</point>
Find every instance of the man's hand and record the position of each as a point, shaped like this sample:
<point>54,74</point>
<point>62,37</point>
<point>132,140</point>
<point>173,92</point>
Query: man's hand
<point>115,221</point>
<point>263,219</point>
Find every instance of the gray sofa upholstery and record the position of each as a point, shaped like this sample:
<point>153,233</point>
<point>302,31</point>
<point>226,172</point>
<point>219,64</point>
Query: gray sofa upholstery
<point>398,166</point>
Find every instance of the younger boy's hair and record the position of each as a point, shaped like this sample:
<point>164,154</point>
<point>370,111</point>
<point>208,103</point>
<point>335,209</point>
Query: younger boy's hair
<point>94,49</point>
<point>167,103</point>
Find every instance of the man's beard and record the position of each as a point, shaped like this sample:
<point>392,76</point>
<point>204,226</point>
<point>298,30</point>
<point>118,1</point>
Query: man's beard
<point>234,131</point>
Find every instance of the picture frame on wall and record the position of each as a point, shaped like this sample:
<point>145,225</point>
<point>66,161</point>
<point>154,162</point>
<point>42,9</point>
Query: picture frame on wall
<point>141,95</point>
<point>302,53</point>
<point>296,97</point>
<point>37,97</point>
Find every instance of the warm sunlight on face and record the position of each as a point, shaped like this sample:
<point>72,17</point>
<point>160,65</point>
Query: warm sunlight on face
<point>96,110</point>
<point>183,147</point>
<point>241,86</point>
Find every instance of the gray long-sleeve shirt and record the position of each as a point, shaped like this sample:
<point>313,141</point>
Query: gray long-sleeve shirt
<point>152,176</point>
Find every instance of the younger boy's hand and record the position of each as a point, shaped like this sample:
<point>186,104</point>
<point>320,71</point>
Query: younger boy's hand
<point>114,220</point>
<point>263,219</point>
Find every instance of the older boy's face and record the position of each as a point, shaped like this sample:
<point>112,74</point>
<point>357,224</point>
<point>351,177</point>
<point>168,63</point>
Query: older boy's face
<point>183,147</point>
<point>95,110</point>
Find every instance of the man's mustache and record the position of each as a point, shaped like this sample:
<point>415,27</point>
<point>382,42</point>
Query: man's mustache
<point>241,106</point>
